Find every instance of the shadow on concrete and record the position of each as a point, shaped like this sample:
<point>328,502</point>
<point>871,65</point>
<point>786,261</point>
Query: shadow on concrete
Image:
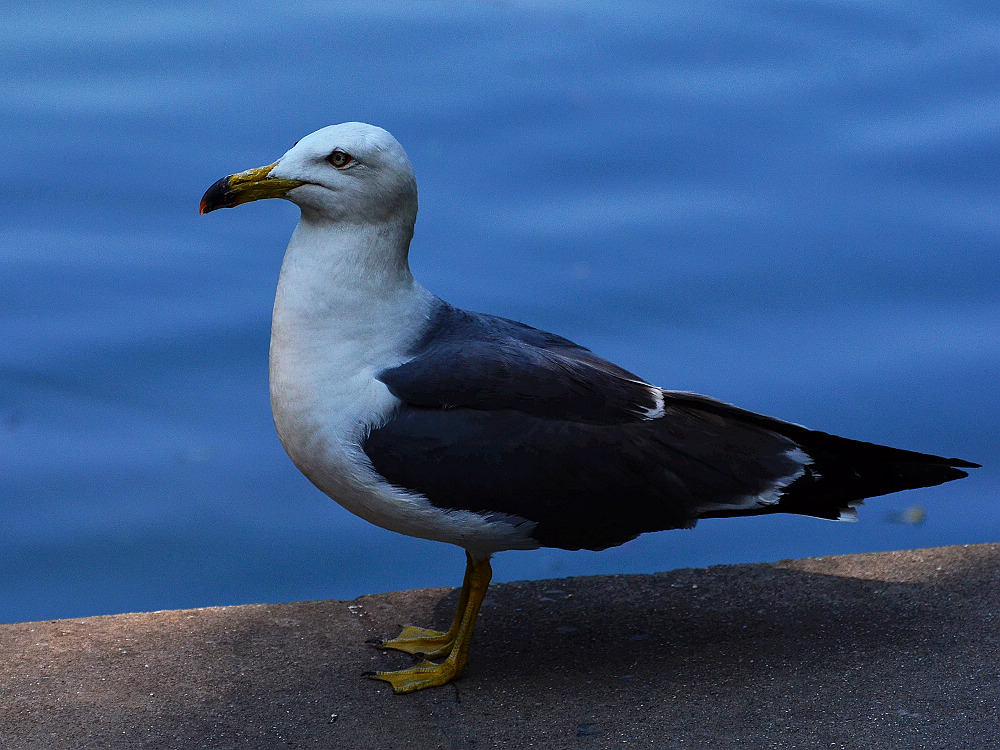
<point>881,650</point>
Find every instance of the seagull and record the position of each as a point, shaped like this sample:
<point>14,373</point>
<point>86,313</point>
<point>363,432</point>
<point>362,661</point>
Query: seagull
<point>483,432</point>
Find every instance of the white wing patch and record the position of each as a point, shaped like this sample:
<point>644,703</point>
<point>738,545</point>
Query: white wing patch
<point>772,494</point>
<point>849,514</point>
<point>657,410</point>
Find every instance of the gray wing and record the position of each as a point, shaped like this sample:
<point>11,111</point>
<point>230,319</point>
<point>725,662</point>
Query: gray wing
<point>490,363</point>
<point>500,418</point>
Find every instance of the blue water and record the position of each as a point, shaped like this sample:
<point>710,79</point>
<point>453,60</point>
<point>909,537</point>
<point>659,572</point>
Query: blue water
<point>787,204</point>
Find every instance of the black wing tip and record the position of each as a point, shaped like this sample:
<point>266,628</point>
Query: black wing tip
<point>949,475</point>
<point>958,463</point>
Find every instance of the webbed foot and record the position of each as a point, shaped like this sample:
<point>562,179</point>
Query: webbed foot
<point>431,644</point>
<point>423,675</point>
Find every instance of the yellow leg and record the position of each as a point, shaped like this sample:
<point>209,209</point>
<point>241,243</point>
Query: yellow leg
<point>430,674</point>
<point>431,644</point>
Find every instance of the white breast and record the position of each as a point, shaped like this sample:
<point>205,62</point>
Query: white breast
<point>334,329</point>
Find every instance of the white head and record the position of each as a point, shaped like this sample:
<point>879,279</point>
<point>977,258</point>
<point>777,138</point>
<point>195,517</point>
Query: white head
<point>349,173</point>
<point>353,173</point>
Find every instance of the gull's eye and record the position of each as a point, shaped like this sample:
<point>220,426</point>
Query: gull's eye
<point>340,159</point>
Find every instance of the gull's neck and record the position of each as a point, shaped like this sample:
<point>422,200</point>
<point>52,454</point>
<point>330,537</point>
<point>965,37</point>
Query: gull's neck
<point>327,260</point>
<point>346,300</point>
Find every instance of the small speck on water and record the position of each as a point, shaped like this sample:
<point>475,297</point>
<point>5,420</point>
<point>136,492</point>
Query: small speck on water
<point>914,515</point>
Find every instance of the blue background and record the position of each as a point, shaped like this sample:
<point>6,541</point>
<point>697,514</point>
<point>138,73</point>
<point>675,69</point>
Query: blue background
<point>787,204</point>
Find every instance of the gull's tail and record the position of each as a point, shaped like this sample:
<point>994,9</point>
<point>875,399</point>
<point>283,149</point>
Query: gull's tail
<point>820,475</point>
<point>844,472</point>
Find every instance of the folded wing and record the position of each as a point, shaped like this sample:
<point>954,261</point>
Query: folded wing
<point>502,419</point>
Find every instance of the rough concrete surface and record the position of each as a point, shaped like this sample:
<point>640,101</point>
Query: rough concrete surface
<point>891,650</point>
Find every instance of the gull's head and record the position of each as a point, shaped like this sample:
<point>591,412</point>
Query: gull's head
<point>351,173</point>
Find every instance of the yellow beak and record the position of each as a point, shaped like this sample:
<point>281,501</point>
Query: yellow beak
<point>252,185</point>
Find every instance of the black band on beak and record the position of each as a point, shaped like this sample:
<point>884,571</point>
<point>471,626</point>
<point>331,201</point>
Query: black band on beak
<point>220,195</point>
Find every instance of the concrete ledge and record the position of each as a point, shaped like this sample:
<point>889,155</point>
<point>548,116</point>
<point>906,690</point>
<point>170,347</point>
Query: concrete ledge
<point>892,650</point>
